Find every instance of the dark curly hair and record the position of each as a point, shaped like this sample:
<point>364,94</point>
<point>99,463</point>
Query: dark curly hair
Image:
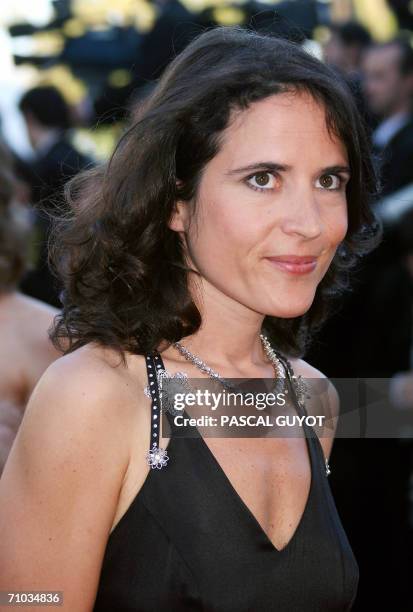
<point>123,268</point>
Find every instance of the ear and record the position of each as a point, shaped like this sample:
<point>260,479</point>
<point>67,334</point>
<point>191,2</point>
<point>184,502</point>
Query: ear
<point>179,219</point>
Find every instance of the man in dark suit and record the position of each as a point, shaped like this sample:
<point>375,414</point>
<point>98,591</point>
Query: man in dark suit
<point>343,51</point>
<point>56,160</point>
<point>388,87</point>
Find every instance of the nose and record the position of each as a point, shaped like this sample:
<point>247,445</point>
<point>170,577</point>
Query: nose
<point>301,214</point>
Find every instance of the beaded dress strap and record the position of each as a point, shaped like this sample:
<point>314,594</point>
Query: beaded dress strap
<point>156,457</point>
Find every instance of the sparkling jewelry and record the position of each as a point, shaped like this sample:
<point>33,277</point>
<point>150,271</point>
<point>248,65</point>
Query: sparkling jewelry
<point>300,386</point>
<point>165,376</point>
<point>157,457</point>
<point>201,365</point>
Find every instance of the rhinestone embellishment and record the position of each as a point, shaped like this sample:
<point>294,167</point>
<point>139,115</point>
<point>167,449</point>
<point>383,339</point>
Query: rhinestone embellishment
<point>161,375</point>
<point>301,389</point>
<point>157,457</point>
<point>147,392</point>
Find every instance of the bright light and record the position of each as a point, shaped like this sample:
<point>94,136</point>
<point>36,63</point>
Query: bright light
<point>14,11</point>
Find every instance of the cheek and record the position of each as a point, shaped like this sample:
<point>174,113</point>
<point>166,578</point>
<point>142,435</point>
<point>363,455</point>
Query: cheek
<point>216,238</point>
<point>337,225</point>
<point>225,224</point>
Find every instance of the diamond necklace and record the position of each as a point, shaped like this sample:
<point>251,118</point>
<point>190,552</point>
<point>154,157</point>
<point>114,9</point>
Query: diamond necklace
<point>300,386</point>
<point>201,365</point>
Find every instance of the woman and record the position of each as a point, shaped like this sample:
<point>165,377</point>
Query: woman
<point>238,163</point>
<point>25,349</point>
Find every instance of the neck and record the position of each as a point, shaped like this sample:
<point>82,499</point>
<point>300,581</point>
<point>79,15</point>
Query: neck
<point>229,334</point>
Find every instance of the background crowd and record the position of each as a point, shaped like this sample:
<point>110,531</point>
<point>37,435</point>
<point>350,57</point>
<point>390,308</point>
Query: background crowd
<point>77,72</point>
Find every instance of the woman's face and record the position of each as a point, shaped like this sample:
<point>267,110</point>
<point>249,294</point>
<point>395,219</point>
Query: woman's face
<point>276,189</point>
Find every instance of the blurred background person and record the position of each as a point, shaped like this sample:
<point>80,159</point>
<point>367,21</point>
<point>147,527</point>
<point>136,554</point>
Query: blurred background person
<point>345,46</point>
<point>343,51</point>
<point>401,386</point>
<point>25,349</point>
<point>48,121</point>
<point>388,87</point>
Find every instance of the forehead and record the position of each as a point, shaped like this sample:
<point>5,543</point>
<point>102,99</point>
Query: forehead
<point>284,127</point>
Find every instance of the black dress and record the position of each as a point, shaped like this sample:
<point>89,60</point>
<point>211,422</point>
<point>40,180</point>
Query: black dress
<point>189,542</point>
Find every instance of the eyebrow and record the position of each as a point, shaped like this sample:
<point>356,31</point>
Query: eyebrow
<point>274,167</point>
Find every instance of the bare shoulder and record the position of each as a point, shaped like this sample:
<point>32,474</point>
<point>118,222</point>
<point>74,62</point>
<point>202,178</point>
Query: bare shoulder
<point>323,400</point>
<point>90,383</point>
<point>25,308</point>
<point>36,306</point>
<point>61,485</point>
<point>77,375</point>
<point>25,323</point>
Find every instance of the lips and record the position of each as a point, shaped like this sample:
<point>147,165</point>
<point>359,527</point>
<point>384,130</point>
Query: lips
<point>294,264</point>
<point>294,259</point>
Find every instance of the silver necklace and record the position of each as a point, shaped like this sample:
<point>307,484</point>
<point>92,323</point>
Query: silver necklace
<point>201,365</point>
<point>299,384</point>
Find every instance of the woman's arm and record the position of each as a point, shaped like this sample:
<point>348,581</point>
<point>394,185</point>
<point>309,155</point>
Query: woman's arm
<point>61,484</point>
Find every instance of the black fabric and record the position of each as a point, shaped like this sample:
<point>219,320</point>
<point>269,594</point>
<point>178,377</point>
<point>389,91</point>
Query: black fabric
<point>47,173</point>
<point>46,176</point>
<point>189,542</point>
<point>395,161</point>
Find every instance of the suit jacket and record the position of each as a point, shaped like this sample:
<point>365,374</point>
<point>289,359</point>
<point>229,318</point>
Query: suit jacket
<point>47,174</point>
<point>46,177</point>
<point>396,160</point>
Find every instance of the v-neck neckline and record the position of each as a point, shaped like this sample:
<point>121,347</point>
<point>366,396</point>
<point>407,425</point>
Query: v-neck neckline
<point>240,503</point>
<point>244,508</point>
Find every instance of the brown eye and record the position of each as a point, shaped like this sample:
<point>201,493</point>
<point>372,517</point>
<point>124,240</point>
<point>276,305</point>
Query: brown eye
<point>330,181</point>
<point>326,180</point>
<point>262,179</point>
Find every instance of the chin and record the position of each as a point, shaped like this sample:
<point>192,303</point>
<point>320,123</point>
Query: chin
<point>289,308</point>
<point>288,312</point>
